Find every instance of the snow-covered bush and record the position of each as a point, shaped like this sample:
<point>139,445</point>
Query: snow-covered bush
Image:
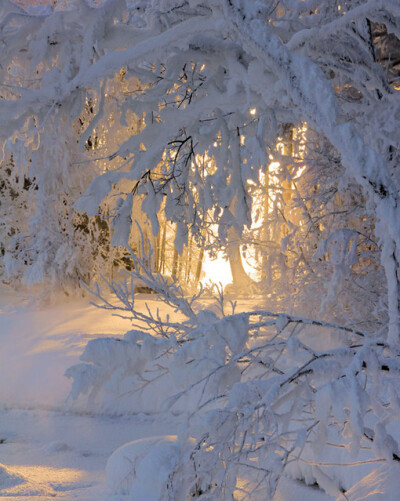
<point>144,469</point>
<point>263,394</point>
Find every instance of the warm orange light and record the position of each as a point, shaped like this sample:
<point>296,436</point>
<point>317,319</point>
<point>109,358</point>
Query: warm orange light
<point>40,479</point>
<point>217,270</point>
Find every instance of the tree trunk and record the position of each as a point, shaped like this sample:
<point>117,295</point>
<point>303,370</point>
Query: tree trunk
<point>239,275</point>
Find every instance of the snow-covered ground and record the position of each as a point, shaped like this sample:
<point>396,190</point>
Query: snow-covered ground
<point>45,450</point>
<point>39,344</point>
<point>63,455</point>
<point>49,451</point>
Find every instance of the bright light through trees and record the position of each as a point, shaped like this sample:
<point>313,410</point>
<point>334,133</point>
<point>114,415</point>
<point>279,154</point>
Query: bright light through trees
<point>146,138</point>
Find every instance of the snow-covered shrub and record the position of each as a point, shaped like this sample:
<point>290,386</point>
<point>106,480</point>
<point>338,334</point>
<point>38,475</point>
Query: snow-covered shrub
<point>146,469</point>
<point>119,376</point>
<point>266,399</point>
<point>139,371</point>
<point>263,394</point>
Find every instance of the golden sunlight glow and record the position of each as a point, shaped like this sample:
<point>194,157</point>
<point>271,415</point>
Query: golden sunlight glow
<point>253,111</point>
<point>270,194</point>
<point>216,271</point>
<point>271,209</point>
<point>273,170</point>
<point>41,481</point>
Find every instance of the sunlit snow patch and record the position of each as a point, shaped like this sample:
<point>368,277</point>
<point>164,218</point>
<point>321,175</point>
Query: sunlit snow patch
<point>21,481</point>
<point>8,478</point>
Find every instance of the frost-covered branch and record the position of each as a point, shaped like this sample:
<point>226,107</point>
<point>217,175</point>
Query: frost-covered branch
<point>266,397</point>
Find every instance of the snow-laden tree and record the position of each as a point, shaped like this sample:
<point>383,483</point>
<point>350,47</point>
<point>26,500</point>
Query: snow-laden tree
<point>52,241</point>
<point>198,111</point>
<point>188,101</point>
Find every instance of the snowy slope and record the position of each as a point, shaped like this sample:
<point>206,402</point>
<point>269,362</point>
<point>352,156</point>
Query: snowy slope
<point>41,343</point>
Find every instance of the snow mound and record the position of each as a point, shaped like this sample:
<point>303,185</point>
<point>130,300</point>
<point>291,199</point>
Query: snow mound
<point>293,490</point>
<point>9,479</point>
<point>131,468</point>
<point>56,446</point>
<point>383,484</point>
